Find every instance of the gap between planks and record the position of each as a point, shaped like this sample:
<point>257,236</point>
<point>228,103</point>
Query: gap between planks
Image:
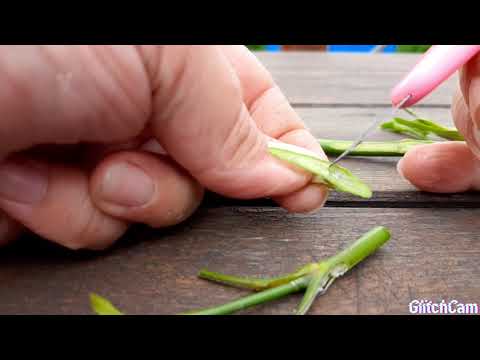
<point>380,199</point>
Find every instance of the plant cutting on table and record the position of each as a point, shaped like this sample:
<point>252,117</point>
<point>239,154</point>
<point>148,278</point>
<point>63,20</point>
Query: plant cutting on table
<point>314,278</point>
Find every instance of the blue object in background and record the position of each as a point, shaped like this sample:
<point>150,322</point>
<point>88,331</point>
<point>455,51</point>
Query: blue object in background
<point>341,48</point>
<point>273,47</point>
<point>358,48</point>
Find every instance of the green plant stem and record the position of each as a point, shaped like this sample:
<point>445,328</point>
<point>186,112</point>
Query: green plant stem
<point>324,172</point>
<point>359,250</point>
<point>253,283</point>
<point>338,265</point>
<point>255,299</point>
<point>372,148</point>
<point>313,277</point>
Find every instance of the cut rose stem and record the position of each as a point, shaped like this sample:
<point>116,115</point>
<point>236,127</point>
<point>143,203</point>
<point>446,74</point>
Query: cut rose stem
<point>313,277</point>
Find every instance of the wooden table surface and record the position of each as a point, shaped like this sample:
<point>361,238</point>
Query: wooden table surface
<point>433,254</point>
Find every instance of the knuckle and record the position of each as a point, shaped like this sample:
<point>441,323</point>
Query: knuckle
<point>91,229</point>
<point>243,143</point>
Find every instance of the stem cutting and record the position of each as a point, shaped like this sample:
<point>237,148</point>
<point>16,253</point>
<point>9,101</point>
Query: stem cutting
<point>334,176</point>
<point>316,278</point>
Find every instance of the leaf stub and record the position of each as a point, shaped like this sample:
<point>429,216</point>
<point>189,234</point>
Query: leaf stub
<point>335,177</point>
<point>102,306</point>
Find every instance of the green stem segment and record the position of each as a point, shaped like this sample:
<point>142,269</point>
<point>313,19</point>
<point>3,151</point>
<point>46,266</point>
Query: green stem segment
<point>255,299</point>
<point>372,148</point>
<point>324,172</point>
<point>422,129</point>
<point>313,277</point>
<point>359,250</point>
<point>253,283</point>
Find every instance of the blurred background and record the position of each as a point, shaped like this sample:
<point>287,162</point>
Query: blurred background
<point>343,48</point>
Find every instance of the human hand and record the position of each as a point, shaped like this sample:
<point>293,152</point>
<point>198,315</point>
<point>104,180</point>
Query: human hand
<point>75,121</point>
<point>452,167</point>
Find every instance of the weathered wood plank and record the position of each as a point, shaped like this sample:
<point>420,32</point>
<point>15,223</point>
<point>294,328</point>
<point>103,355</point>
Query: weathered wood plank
<point>433,255</point>
<point>325,78</point>
<point>348,123</point>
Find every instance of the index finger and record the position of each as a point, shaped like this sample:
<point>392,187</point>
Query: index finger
<point>274,116</point>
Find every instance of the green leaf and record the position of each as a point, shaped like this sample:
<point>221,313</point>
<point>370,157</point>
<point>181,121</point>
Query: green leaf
<point>102,306</point>
<point>335,176</point>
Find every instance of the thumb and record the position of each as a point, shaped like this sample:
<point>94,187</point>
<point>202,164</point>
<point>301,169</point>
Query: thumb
<point>447,167</point>
<point>466,104</point>
<point>206,127</point>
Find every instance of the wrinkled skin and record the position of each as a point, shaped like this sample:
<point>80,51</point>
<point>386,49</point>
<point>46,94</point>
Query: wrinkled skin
<point>85,131</point>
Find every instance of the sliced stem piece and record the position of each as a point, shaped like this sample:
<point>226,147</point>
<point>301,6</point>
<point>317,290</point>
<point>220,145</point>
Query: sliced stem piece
<point>316,279</point>
<point>335,177</point>
<point>317,283</point>
<point>337,265</point>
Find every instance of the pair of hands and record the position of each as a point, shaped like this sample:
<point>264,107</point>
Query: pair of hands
<point>85,131</point>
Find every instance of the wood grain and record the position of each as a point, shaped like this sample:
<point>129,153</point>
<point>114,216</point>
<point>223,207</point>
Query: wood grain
<point>326,78</point>
<point>433,254</point>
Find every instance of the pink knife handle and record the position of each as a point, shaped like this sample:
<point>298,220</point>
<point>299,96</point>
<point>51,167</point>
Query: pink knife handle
<point>435,67</point>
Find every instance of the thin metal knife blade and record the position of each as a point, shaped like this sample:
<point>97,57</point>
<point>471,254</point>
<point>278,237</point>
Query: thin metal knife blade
<point>371,128</point>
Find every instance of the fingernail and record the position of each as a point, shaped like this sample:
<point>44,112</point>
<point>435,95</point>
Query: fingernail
<point>23,181</point>
<point>126,185</point>
<point>400,168</point>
